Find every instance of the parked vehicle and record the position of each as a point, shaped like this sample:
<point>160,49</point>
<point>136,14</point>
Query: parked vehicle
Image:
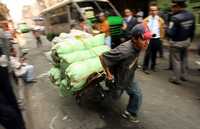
<point>61,16</point>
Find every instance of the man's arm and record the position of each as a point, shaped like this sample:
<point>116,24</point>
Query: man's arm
<point>107,70</point>
<point>111,59</point>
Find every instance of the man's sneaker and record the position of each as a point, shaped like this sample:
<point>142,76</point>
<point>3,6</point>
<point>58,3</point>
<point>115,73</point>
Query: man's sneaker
<point>146,72</point>
<point>183,79</point>
<point>174,81</point>
<point>130,117</point>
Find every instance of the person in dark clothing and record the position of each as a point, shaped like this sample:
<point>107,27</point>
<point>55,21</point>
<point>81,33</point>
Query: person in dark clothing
<point>37,35</point>
<point>181,32</point>
<point>10,114</point>
<point>130,21</point>
<point>120,64</point>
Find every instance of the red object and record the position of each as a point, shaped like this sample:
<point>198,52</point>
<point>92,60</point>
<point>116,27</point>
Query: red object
<point>147,34</point>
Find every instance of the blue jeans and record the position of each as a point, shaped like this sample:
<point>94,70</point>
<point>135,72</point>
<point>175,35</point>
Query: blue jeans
<point>135,98</point>
<point>108,41</point>
<point>28,76</point>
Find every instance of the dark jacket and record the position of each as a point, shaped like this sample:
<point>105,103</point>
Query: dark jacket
<point>130,24</point>
<point>182,26</point>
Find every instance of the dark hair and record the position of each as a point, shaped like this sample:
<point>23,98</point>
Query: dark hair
<point>137,36</point>
<point>181,4</point>
<point>153,3</point>
<point>81,20</point>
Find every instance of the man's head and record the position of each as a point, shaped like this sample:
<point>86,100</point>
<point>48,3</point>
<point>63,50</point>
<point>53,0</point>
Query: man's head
<point>141,36</point>
<point>128,12</point>
<point>178,5</point>
<point>153,9</point>
<point>102,16</point>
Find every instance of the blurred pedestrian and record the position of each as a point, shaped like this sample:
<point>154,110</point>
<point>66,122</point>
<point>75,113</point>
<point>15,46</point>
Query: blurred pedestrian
<point>104,27</point>
<point>10,114</point>
<point>21,67</point>
<point>140,15</point>
<point>84,27</point>
<point>181,32</point>
<point>120,64</point>
<point>129,22</point>
<point>156,26</point>
<point>37,35</point>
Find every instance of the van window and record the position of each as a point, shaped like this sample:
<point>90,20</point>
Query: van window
<point>59,16</point>
<point>106,8</point>
<point>75,14</point>
<point>90,4</point>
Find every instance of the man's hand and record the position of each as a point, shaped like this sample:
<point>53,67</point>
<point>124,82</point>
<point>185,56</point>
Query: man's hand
<point>109,77</point>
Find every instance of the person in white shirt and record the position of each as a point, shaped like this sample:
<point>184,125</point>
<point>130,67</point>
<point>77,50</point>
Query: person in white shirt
<point>156,26</point>
<point>22,68</point>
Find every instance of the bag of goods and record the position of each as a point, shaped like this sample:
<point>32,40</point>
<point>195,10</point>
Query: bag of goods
<point>79,34</point>
<point>95,41</point>
<point>64,36</point>
<point>67,89</point>
<point>55,75</point>
<point>65,47</point>
<point>77,86</point>
<point>68,46</point>
<point>64,87</point>
<point>81,70</point>
<point>83,55</point>
<point>76,58</point>
<point>100,49</point>
<point>57,40</point>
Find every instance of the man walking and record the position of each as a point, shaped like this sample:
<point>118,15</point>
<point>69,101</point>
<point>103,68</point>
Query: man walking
<point>104,27</point>
<point>156,26</point>
<point>37,35</point>
<point>181,32</point>
<point>121,64</point>
<point>129,22</point>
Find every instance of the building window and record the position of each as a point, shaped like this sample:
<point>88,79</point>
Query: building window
<point>75,14</point>
<point>59,16</point>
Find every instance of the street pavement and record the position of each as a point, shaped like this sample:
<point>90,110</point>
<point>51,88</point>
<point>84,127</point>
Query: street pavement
<point>165,106</point>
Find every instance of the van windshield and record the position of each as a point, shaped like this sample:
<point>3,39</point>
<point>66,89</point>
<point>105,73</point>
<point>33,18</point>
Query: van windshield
<point>95,7</point>
<point>106,8</point>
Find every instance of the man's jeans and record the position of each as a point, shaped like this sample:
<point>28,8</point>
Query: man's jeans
<point>179,59</point>
<point>135,98</point>
<point>108,41</point>
<point>28,76</point>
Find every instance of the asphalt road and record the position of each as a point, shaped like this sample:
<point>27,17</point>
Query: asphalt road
<point>165,106</point>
